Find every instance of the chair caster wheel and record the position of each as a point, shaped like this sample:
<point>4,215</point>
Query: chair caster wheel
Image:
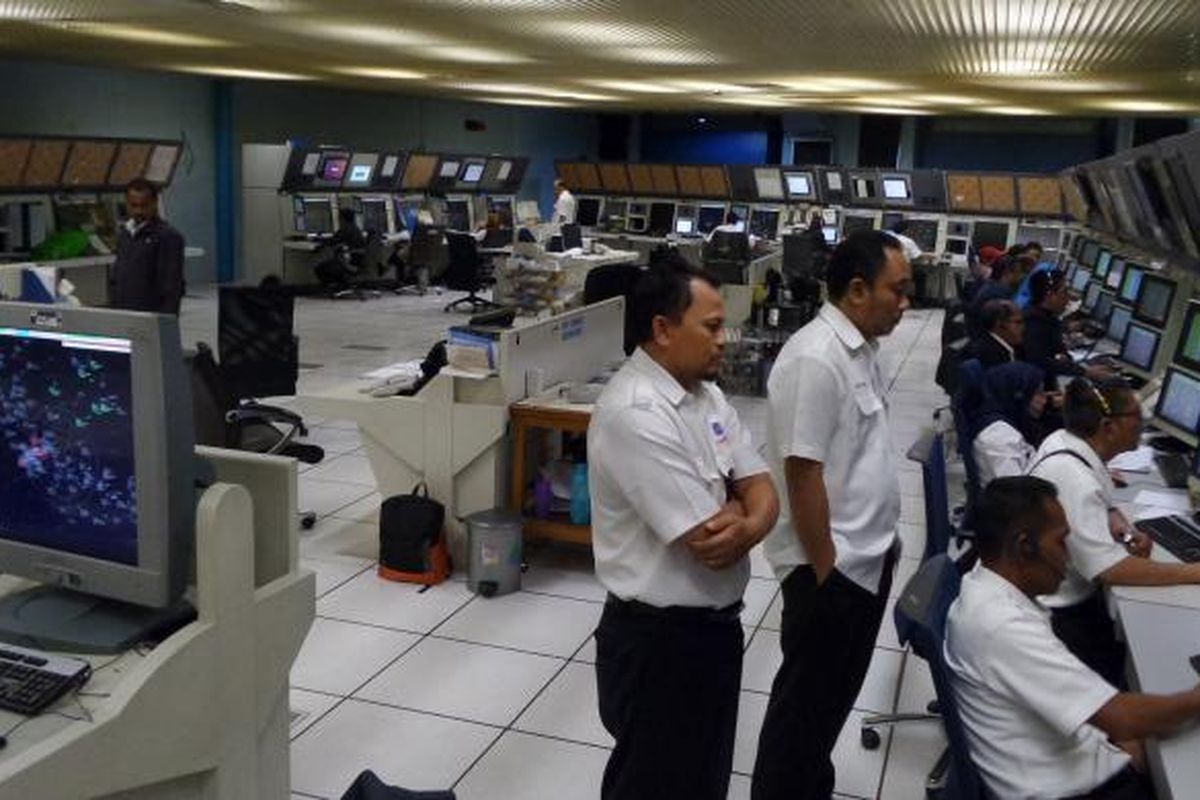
<point>933,707</point>
<point>307,521</point>
<point>870,739</point>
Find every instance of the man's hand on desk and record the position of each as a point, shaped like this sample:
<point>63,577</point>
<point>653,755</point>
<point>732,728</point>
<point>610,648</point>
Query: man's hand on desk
<point>1136,542</point>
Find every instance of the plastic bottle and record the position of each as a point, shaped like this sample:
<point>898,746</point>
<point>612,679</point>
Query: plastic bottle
<point>543,496</point>
<point>581,503</point>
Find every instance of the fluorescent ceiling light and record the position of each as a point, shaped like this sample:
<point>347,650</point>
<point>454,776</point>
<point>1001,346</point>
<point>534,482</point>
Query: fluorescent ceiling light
<point>469,54</point>
<point>238,72</point>
<point>1141,106</point>
<point>710,87</point>
<point>383,73</point>
<point>915,112</point>
<point>377,35</point>
<point>658,55</point>
<point>640,87</point>
<point>30,12</point>
<point>1015,111</point>
<point>837,85</point>
<point>899,101</point>
<point>136,33</point>
<point>523,101</point>
<point>1060,84</point>
<point>529,89</point>
<point>948,99</point>
<point>759,100</point>
<point>603,33</point>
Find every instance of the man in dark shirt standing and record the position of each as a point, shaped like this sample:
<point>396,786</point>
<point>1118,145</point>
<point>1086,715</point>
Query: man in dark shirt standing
<point>148,272</point>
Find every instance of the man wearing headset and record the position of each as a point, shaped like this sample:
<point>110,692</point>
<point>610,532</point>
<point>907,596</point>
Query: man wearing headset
<point>1102,418</point>
<point>1040,724</point>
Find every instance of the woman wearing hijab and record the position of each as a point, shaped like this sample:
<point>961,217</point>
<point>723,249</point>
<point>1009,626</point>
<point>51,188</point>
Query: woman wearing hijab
<point>1010,424</point>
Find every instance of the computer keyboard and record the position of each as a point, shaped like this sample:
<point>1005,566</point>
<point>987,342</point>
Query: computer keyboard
<point>1174,468</point>
<point>31,680</point>
<point>1180,539</point>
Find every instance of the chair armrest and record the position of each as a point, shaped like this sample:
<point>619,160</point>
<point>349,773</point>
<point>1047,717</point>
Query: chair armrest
<point>267,415</point>
<point>278,414</point>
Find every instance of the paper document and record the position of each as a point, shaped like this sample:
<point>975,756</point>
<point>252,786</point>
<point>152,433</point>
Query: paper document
<point>1170,502</point>
<point>1140,460</point>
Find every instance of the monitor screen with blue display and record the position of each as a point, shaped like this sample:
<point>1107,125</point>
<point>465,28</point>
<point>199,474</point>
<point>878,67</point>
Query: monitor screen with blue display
<point>1080,281</point>
<point>1118,321</point>
<point>1131,284</point>
<point>1179,401</point>
<point>1140,346</point>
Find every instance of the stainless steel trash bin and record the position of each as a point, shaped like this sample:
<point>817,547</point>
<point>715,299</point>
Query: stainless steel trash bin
<point>493,552</point>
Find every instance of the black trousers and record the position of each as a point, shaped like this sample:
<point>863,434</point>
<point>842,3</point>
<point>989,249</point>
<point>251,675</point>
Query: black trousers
<point>828,638</point>
<point>669,682</point>
<point>1128,784</point>
<point>1087,630</point>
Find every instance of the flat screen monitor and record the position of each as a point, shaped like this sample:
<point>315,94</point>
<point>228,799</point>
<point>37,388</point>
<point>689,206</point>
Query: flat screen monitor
<point>1082,278</point>
<point>829,216</point>
<point>764,222</point>
<point>662,219</point>
<point>96,482</point>
<point>458,215</point>
<point>1089,253</point>
<point>890,219</point>
<point>1116,271</point>
<point>709,218</point>
<point>1179,401</point>
<point>864,188</point>
<point>448,169</point>
<point>833,181</point>
<point>1118,321</point>
<point>587,211</point>
<point>316,215</point>
<point>830,233</point>
<point>1187,352</point>
<point>1154,300</point>
<point>1140,346</point>
<point>896,189</point>
<point>768,182</point>
<point>1090,295</point>
<point>332,169</point>
<point>472,172</point>
<point>1131,283</point>
<point>361,171</point>
<point>957,247</point>
<point>924,232</point>
<point>853,223</point>
<point>1103,261</point>
<point>1071,268</point>
<point>1103,307</point>
<point>360,175</point>
<point>685,226</point>
<point>375,216</point>
<point>740,211</point>
<point>986,233</point>
<point>799,185</point>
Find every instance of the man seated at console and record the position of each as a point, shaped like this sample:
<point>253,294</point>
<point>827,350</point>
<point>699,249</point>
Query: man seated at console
<point>1002,284</point>
<point>347,245</point>
<point>1045,345</point>
<point>1003,333</point>
<point>1039,723</point>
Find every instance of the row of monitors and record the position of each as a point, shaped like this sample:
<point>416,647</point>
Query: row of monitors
<point>389,215</point>
<point>933,190</point>
<point>1148,196</point>
<point>1133,309</point>
<point>63,164</point>
<point>333,170</point>
<point>664,217</point>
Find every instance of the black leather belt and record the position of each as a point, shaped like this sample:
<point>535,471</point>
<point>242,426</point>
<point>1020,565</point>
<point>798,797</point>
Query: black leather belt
<point>637,608</point>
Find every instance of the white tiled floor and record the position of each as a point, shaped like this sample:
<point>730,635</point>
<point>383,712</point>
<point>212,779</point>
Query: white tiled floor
<point>497,698</point>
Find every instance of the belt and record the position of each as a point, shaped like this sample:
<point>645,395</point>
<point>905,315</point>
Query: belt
<point>636,608</point>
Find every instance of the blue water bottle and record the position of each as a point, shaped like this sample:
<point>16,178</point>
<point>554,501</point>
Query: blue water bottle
<point>581,502</point>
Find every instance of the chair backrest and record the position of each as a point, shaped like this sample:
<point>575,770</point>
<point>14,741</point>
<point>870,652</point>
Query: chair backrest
<point>210,400</point>
<point>572,235</point>
<point>920,617</point>
<point>498,237</point>
<point>964,406</point>
<point>614,280</point>
<point>728,246</point>
<point>257,349</point>
<point>428,250</point>
<point>930,452</point>
<point>372,254</point>
<point>463,270</point>
<point>799,257</point>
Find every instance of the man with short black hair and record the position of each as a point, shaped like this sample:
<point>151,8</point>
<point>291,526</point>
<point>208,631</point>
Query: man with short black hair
<point>1040,724</point>
<point>1045,346</point>
<point>565,204</point>
<point>148,272</point>
<point>834,548</point>
<point>1004,332</point>
<point>679,496</point>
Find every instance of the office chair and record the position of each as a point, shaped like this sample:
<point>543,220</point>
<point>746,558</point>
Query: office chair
<point>465,271</point>
<point>920,618</point>
<point>495,238</point>
<point>362,267</point>
<point>221,420</point>
<point>258,351</point>
<point>930,452</point>
<point>964,406</point>
<point>614,280</point>
<point>572,236</point>
<point>726,255</point>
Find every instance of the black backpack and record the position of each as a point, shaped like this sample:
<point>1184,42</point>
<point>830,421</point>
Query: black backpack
<point>412,547</point>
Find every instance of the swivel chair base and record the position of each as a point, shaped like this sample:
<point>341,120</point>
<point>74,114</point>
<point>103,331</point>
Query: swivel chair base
<point>473,301</point>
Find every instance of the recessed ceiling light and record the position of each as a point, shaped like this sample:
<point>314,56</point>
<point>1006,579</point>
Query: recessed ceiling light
<point>518,89</point>
<point>1141,106</point>
<point>383,73</point>
<point>640,87</point>
<point>604,33</point>
<point>139,34</point>
<point>470,54</point>
<point>658,55</point>
<point>1015,111</point>
<point>238,72</point>
<point>378,35</point>
<point>524,101</point>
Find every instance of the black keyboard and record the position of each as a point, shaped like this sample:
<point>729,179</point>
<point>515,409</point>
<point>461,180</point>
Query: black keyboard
<point>1179,538</point>
<point>1174,468</point>
<point>31,680</point>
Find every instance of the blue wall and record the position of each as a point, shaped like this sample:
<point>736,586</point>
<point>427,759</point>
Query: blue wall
<point>707,147</point>
<point>1016,145</point>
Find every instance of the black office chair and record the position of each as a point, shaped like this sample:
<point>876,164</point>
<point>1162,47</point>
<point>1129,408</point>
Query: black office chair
<point>428,255</point>
<point>222,420</point>
<point>965,406</point>
<point>465,272</point>
<point>572,236</point>
<point>258,350</point>
<point>920,618</point>
<point>726,255</point>
<point>614,280</point>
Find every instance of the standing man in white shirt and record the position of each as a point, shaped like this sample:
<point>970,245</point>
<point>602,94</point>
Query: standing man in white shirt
<point>1040,724</point>
<point>1102,420</point>
<point>564,204</point>
<point>834,464</point>
<point>912,250</point>
<point>679,496</point>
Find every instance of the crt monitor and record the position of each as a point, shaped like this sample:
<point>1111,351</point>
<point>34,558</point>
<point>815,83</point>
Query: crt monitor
<point>1187,352</point>
<point>1103,307</point>
<point>572,236</point>
<point>799,185</point>
<point>1089,253</point>
<point>1154,300</point>
<point>685,226</point>
<point>458,215</point>
<point>709,218</point>
<point>375,216</point>
<point>924,232</point>
<point>764,222</point>
<point>97,478</point>
<point>1131,283</point>
<point>1116,271</point>
<point>853,222</point>
<point>990,233</point>
<point>1103,261</point>
<point>662,219</point>
<point>1179,401</point>
<point>830,233</point>
<point>1140,346</point>
<point>315,215</point>
<point>891,219</point>
<point>587,211</point>
<point>1118,322</point>
<point>1090,296</point>
<point>1081,280</point>
<point>896,188</point>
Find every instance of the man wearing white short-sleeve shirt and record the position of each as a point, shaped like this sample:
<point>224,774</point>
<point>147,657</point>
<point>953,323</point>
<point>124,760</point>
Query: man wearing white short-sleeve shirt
<point>679,496</point>
<point>1040,724</point>
<point>835,468</point>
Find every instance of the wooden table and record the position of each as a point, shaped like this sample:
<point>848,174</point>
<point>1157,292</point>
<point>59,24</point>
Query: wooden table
<point>554,412</point>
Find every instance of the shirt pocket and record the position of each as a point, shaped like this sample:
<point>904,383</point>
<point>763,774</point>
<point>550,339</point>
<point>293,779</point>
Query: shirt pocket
<point>866,398</point>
